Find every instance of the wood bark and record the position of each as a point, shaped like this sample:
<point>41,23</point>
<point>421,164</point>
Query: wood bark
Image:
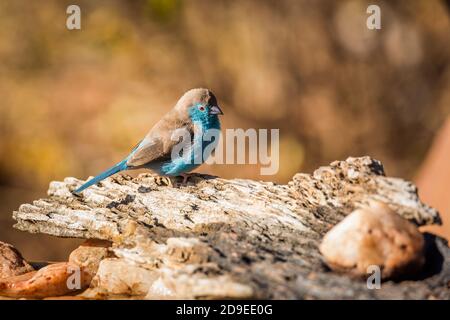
<point>217,238</point>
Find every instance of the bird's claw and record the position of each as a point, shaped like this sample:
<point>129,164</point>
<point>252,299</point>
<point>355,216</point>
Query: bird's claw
<point>163,181</point>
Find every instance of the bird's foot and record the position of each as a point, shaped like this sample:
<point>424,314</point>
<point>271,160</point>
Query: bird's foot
<point>185,177</point>
<point>167,181</point>
<point>164,181</point>
<point>184,182</point>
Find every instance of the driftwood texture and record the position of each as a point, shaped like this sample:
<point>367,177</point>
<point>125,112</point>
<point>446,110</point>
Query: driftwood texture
<point>216,238</point>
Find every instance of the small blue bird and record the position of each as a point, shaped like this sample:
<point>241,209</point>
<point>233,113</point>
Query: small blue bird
<point>196,111</point>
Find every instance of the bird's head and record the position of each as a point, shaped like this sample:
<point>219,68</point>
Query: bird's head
<point>200,104</point>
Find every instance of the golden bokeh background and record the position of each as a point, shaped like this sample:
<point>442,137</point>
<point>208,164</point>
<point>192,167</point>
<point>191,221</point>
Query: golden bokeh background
<point>73,102</point>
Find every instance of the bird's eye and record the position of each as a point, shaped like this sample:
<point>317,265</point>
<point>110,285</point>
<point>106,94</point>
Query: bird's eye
<point>201,108</point>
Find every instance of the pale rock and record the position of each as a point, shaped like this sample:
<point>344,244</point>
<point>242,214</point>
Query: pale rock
<point>374,235</point>
<point>120,277</point>
<point>89,254</point>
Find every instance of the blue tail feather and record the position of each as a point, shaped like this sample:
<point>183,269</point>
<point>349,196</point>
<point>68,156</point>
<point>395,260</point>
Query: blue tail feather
<point>117,168</point>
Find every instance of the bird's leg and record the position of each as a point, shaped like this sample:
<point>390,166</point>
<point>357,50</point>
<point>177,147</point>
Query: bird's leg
<point>186,177</point>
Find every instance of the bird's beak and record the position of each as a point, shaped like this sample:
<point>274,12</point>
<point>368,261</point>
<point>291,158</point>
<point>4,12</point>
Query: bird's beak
<point>215,110</point>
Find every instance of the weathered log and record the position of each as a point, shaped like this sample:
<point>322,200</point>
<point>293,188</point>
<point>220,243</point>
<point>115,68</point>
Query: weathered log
<point>217,238</point>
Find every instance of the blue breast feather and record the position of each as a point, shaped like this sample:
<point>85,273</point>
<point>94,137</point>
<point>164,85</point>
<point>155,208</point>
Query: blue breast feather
<point>186,163</point>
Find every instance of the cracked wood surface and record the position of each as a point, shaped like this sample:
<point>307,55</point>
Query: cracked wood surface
<point>217,238</point>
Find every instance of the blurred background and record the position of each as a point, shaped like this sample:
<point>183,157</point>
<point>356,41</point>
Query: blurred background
<point>72,103</point>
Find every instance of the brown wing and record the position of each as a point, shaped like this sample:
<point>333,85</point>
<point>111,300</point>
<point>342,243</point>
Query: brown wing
<point>146,152</point>
<point>158,143</point>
